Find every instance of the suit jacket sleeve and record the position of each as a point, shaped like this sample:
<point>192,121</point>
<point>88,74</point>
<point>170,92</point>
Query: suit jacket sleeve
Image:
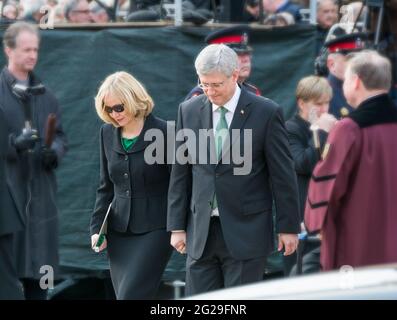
<point>330,179</point>
<point>282,175</point>
<point>105,191</point>
<point>180,186</point>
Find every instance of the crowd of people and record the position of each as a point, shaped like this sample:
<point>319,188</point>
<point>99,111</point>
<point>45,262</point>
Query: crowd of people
<point>317,169</point>
<point>275,12</point>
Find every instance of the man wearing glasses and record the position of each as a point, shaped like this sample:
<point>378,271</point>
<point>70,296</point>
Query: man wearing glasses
<point>78,11</point>
<point>235,37</point>
<point>223,219</point>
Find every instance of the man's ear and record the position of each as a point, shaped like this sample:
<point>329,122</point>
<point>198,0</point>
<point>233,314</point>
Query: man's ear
<point>235,75</point>
<point>7,51</point>
<point>357,82</point>
<point>330,62</point>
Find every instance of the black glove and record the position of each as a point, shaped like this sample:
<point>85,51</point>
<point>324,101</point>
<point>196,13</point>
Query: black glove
<point>25,141</point>
<point>49,158</point>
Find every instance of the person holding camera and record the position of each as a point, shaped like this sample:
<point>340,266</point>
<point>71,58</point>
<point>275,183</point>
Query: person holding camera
<point>36,144</point>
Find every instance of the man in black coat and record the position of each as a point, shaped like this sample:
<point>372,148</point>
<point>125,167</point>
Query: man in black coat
<point>32,156</point>
<point>219,205</point>
<point>10,222</point>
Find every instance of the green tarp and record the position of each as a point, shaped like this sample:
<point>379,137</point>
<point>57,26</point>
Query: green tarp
<point>73,63</point>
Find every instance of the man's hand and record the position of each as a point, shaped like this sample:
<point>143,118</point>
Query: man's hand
<point>26,140</point>
<point>94,240</point>
<point>178,241</point>
<point>289,242</point>
<point>49,158</point>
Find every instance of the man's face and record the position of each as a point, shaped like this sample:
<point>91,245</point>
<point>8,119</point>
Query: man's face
<point>23,57</point>
<point>244,65</point>
<point>81,13</point>
<point>349,87</point>
<point>218,87</point>
<point>337,65</point>
<point>327,14</point>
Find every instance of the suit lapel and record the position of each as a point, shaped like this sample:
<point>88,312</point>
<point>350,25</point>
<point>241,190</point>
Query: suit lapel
<point>207,123</point>
<point>139,145</point>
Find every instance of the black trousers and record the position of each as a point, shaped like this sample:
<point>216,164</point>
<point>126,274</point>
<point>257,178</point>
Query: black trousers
<point>32,290</point>
<point>217,269</point>
<point>10,287</point>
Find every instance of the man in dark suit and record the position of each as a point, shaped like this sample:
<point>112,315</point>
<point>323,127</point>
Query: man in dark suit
<point>10,222</point>
<point>218,214</point>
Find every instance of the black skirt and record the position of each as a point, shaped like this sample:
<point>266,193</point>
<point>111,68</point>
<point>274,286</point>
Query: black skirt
<point>137,262</point>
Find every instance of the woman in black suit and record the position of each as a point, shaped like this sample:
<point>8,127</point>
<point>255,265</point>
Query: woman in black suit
<point>313,95</point>
<point>137,242</point>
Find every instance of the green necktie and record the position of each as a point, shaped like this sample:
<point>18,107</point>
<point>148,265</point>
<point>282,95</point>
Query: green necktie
<point>220,137</point>
<point>221,132</point>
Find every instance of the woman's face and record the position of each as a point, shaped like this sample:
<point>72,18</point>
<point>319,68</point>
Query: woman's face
<point>122,118</point>
<point>313,109</point>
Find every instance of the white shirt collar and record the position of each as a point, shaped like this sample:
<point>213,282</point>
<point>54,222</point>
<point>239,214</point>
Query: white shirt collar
<point>231,105</point>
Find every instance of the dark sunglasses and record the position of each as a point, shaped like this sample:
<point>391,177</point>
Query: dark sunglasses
<point>116,108</point>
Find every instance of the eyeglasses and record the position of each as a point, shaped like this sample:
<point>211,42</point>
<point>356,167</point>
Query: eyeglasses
<point>214,85</point>
<point>81,11</point>
<point>116,108</point>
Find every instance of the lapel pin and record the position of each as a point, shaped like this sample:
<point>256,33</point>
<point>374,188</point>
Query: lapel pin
<point>242,111</point>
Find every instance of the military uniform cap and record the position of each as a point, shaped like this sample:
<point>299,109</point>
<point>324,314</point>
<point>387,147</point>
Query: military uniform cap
<point>346,43</point>
<point>235,37</point>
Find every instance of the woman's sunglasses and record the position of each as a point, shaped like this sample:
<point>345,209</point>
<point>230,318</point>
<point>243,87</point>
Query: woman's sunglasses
<point>116,108</point>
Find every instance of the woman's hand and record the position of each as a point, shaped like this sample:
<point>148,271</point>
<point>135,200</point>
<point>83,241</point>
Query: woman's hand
<point>94,240</point>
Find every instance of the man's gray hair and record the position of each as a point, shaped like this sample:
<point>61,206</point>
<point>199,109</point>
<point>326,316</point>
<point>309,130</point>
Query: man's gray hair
<point>373,69</point>
<point>12,32</point>
<point>216,58</point>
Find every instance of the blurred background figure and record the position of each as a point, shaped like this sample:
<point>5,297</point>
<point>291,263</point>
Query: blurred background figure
<point>327,14</point>
<point>98,13</point>
<point>10,11</point>
<point>338,47</point>
<point>281,19</point>
<point>34,152</point>
<point>277,6</point>
<point>34,12</point>
<point>313,95</point>
<point>78,11</point>
<point>10,222</point>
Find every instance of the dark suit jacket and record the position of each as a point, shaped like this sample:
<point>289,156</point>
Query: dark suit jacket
<point>137,190</point>
<point>304,154</point>
<point>244,201</point>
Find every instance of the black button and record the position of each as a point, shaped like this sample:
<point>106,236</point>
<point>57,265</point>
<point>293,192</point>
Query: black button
<point>125,157</point>
<point>217,175</point>
<point>126,175</point>
<point>127,193</point>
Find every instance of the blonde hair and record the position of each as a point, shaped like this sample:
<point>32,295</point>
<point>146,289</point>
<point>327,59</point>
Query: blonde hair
<point>129,91</point>
<point>313,88</point>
